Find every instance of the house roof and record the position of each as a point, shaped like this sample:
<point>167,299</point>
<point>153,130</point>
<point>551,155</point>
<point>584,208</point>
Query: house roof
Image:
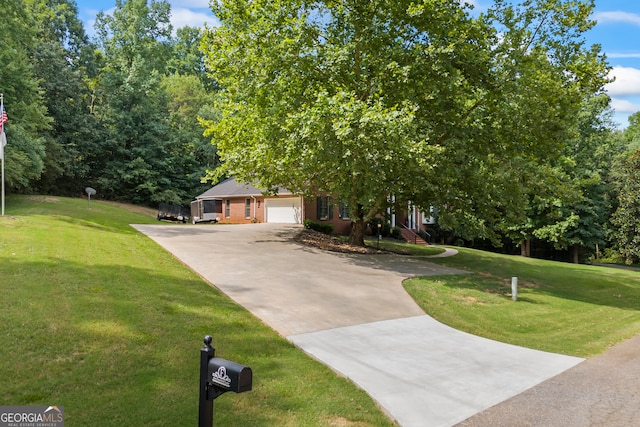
<point>231,188</point>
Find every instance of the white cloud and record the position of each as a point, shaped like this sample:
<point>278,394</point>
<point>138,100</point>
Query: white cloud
<point>617,16</point>
<point>627,82</point>
<point>182,17</point>
<point>623,55</point>
<point>190,4</point>
<point>624,106</point>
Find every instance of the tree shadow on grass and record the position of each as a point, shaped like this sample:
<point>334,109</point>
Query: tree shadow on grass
<point>122,343</point>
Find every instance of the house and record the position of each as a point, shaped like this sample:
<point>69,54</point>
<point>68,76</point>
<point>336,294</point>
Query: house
<point>237,203</point>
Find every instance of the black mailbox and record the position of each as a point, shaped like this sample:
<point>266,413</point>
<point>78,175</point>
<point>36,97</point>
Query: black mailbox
<point>229,376</point>
<point>218,376</point>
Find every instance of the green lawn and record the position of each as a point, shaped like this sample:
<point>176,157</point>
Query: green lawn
<point>572,309</point>
<point>98,318</point>
<point>399,247</point>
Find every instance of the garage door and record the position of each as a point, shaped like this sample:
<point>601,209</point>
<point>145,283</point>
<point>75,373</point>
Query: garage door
<point>284,211</point>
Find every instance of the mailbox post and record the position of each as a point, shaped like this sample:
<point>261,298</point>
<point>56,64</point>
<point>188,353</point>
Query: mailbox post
<point>218,376</point>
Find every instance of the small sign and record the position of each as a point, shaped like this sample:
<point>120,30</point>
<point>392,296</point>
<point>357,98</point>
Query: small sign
<point>90,191</point>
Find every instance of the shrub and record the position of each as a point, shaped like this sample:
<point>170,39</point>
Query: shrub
<point>322,227</point>
<point>396,233</point>
<point>610,256</point>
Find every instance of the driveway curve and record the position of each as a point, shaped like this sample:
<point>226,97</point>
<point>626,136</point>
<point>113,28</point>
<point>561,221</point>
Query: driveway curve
<point>352,313</point>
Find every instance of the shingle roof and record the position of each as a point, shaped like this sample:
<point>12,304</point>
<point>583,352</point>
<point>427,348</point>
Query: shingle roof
<point>230,188</point>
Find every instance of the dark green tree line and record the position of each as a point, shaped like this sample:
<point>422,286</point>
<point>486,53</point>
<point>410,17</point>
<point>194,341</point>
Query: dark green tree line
<point>109,112</point>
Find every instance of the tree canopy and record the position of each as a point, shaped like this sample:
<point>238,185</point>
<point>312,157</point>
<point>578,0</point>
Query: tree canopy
<point>102,112</point>
<point>422,101</point>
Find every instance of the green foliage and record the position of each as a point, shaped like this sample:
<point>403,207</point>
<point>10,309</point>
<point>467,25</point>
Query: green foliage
<point>187,58</point>
<point>570,208</point>
<point>396,233</point>
<point>109,115</point>
<point>191,153</point>
<point>155,150</point>
<point>366,100</point>
<point>610,256</point>
<point>632,132</point>
<point>63,59</point>
<point>25,149</point>
<point>136,30</point>
<point>626,218</point>
<point>322,227</point>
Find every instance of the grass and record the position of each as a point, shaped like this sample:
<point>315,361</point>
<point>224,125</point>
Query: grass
<point>578,310</point>
<point>402,248</point>
<point>98,318</point>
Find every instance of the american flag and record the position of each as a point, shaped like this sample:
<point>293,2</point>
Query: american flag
<point>3,138</point>
<point>4,118</point>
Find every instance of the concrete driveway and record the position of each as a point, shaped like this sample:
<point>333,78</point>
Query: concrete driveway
<point>351,313</point>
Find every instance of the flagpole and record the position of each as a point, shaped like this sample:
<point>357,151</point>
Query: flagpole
<point>2,148</point>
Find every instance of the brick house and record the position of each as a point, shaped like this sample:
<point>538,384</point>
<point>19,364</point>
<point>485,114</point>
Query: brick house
<point>237,203</point>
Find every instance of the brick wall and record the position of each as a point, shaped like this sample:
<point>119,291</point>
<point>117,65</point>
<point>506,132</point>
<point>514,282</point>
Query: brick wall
<point>340,225</point>
<point>237,208</point>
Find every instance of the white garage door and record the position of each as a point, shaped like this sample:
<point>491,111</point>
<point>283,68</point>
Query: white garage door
<point>284,211</point>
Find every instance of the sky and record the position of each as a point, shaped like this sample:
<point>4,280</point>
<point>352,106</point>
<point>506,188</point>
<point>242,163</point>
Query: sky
<point>617,32</point>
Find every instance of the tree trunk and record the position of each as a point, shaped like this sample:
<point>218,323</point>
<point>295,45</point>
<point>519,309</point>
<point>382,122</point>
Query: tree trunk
<point>356,237</point>
<point>575,252</point>
<point>525,248</point>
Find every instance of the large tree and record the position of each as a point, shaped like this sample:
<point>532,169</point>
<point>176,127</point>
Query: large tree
<point>191,153</point>
<point>25,150</point>
<point>131,162</point>
<point>573,212</point>
<point>419,100</point>
<point>626,218</point>
<point>64,62</point>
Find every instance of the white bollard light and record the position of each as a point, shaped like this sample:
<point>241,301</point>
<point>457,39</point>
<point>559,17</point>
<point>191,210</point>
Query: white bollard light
<point>514,288</point>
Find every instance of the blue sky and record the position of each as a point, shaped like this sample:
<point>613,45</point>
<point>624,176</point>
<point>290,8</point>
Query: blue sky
<point>184,12</point>
<point>617,31</point>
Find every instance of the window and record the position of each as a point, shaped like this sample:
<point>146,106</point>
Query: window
<point>247,208</point>
<point>227,208</point>
<point>212,206</point>
<point>344,211</point>
<point>324,208</point>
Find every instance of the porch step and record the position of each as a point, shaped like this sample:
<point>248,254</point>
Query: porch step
<point>411,237</point>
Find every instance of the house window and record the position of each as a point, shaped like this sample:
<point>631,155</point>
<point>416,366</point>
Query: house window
<point>247,208</point>
<point>324,208</point>
<point>344,211</point>
<point>227,208</point>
